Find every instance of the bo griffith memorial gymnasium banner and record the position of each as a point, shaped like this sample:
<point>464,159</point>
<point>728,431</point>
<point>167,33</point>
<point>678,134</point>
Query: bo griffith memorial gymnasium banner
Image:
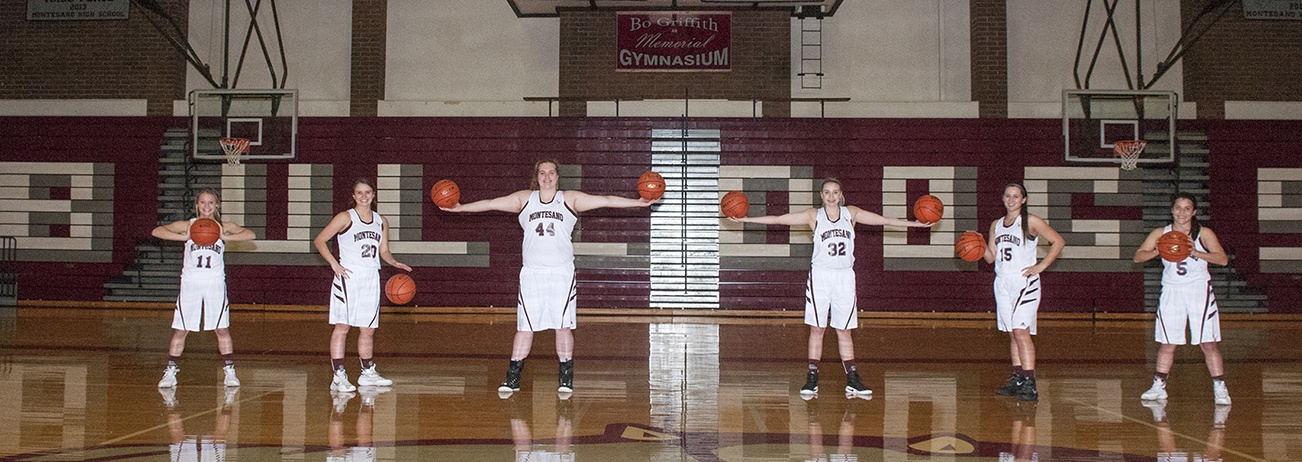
<point>673,41</point>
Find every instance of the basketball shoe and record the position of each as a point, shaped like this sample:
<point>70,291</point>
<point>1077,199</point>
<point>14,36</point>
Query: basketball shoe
<point>565,377</point>
<point>228,398</point>
<point>231,380</point>
<point>512,382</point>
<point>370,378</point>
<point>854,386</point>
<point>811,384</point>
<point>1157,391</point>
<point>341,383</point>
<point>1220,392</point>
<point>169,377</point>
<point>1028,392</point>
<point>1010,388</point>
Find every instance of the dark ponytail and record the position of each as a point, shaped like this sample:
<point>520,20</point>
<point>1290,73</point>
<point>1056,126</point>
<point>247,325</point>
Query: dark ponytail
<point>1194,226</point>
<point>1026,218</point>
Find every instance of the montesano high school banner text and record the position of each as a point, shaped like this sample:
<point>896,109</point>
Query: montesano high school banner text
<point>673,41</point>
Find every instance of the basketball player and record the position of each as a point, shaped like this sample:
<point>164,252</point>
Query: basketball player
<point>1011,247</point>
<point>1187,298</point>
<point>363,239</point>
<point>547,284</point>
<point>201,303</point>
<point>830,298</point>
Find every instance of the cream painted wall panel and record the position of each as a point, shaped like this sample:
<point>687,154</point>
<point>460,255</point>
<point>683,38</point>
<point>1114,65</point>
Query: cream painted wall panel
<point>467,51</point>
<point>318,44</point>
<point>884,51</point>
<point>893,59</point>
<point>1042,44</point>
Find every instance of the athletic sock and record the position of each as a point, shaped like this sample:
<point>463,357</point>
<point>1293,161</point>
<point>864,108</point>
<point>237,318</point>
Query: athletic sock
<point>337,364</point>
<point>1162,375</point>
<point>849,366</point>
<point>366,363</point>
<point>229,359</point>
<point>813,364</point>
<point>171,360</point>
<point>1028,373</point>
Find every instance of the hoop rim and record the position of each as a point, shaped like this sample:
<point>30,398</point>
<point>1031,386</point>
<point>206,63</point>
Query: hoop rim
<point>234,144</point>
<point>1128,151</point>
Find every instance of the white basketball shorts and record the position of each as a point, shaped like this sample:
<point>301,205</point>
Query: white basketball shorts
<point>1017,301</point>
<point>1193,305</point>
<point>830,299</point>
<point>202,305</point>
<point>356,300</point>
<point>548,297</point>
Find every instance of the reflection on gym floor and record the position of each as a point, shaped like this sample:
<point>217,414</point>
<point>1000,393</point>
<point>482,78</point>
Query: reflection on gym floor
<point>707,389</point>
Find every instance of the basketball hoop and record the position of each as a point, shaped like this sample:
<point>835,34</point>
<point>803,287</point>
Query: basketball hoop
<point>234,147</point>
<point>1128,151</point>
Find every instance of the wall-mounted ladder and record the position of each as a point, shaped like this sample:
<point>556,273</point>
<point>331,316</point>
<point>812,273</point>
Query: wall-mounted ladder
<point>811,52</point>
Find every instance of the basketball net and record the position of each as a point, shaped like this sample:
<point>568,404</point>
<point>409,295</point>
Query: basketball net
<point>1128,151</point>
<point>233,148</point>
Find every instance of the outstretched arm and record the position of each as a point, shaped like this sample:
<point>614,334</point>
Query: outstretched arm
<point>174,231</point>
<point>807,217</point>
<point>862,216</point>
<point>510,203</point>
<point>583,202</point>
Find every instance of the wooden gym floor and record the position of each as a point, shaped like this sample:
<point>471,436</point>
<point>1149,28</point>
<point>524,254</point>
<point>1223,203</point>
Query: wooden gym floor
<point>80,384</point>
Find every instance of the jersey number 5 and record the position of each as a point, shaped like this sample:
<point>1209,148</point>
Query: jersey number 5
<point>1008,254</point>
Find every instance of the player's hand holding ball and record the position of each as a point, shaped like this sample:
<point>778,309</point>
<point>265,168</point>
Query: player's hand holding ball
<point>971,246</point>
<point>445,194</point>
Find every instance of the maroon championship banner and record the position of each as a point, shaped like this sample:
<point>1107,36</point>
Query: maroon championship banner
<point>673,41</point>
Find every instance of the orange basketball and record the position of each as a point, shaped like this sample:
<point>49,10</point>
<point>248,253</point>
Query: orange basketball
<point>205,231</point>
<point>734,204</point>
<point>651,186</point>
<point>1174,246</point>
<point>971,246</point>
<point>928,209</point>
<point>400,288</point>
<point>445,193</point>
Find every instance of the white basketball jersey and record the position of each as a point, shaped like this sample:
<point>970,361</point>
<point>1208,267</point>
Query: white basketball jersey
<point>834,241</point>
<point>359,244</point>
<point>547,230</point>
<point>1190,270</point>
<point>204,260</point>
<point>1013,252</point>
